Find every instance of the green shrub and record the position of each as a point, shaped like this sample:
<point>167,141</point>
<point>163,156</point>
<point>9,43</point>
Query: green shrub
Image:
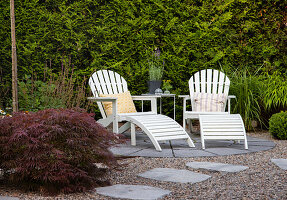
<point>278,125</point>
<point>62,90</point>
<point>54,150</point>
<point>275,91</point>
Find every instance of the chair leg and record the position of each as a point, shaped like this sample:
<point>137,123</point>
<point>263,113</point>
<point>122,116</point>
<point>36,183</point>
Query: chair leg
<point>190,125</point>
<point>133,134</point>
<point>124,127</point>
<point>184,124</point>
<point>245,144</point>
<point>190,143</point>
<point>202,143</point>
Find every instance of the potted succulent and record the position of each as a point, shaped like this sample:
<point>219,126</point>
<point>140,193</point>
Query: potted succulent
<point>156,65</point>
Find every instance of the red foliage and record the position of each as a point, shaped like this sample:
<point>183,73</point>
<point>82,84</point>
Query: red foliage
<point>54,150</point>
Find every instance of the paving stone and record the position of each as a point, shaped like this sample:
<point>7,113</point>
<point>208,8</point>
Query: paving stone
<point>216,166</point>
<point>179,144</point>
<point>258,148</point>
<point>185,152</point>
<point>125,150</point>
<point>255,139</point>
<point>261,143</point>
<point>174,175</point>
<point>8,198</point>
<point>225,151</point>
<point>180,148</point>
<point>151,152</point>
<point>282,163</point>
<point>132,192</point>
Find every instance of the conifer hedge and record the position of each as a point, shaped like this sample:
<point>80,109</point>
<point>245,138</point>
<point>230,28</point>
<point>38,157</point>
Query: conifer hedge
<point>121,34</point>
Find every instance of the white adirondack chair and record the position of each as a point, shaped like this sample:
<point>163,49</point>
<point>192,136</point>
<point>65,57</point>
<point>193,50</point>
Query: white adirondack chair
<point>157,127</point>
<point>212,82</point>
<point>205,81</point>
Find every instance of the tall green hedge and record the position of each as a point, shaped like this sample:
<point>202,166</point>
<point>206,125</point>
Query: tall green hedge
<point>121,34</point>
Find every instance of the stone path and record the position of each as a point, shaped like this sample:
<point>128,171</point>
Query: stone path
<point>282,163</point>
<point>174,175</point>
<point>132,192</point>
<point>222,167</point>
<point>179,148</point>
<point>8,198</point>
<point>165,174</point>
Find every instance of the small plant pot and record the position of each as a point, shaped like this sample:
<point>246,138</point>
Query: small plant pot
<point>153,85</point>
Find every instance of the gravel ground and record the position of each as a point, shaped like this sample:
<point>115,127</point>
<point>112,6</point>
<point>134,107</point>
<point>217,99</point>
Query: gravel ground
<point>263,179</point>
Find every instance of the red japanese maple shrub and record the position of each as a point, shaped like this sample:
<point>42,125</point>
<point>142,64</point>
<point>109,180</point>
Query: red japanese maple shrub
<point>54,150</point>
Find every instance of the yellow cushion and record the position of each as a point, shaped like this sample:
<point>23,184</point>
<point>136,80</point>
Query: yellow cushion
<point>125,103</point>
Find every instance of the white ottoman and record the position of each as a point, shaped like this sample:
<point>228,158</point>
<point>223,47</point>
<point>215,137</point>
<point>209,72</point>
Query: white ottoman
<point>222,127</point>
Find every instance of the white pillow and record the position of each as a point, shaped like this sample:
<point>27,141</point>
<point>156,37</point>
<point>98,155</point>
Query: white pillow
<point>204,102</point>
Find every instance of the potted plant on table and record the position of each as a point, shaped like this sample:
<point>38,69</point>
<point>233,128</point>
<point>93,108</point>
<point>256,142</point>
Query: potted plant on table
<point>156,65</point>
<point>167,86</point>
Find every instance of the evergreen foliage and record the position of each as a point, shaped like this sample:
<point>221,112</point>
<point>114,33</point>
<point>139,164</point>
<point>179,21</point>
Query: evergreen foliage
<point>116,35</point>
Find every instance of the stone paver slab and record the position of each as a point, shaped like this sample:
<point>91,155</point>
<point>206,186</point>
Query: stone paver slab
<point>187,152</point>
<point>8,198</point>
<point>151,152</point>
<point>179,148</point>
<point>225,151</point>
<point>222,167</point>
<point>282,163</point>
<point>258,148</point>
<point>132,192</point>
<point>174,175</point>
<point>124,151</point>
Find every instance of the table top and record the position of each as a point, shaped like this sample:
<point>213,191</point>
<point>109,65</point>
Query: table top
<point>161,95</point>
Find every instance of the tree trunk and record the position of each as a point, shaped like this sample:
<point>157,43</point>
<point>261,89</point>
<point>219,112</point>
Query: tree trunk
<point>14,59</point>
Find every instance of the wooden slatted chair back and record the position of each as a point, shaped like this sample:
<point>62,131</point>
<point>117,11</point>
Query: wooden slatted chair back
<point>209,81</point>
<point>106,82</point>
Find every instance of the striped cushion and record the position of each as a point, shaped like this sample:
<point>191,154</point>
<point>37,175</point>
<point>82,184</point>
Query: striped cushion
<point>204,102</point>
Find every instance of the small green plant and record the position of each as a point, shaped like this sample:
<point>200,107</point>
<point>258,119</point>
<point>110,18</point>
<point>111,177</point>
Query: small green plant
<point>278,125</point>
<point>156,66</point>
<point>167,85</point>
<point>38,95</point>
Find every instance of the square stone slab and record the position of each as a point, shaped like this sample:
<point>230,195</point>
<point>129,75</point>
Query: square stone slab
<point>120,191</point>
<point>8,198</point>
<point>226,151</point>
<point>222,167</point>
<point>282,163</point>
<point>188,152</point>
<point>174,175</point>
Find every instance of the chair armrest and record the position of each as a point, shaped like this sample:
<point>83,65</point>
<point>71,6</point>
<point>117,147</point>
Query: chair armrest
<point>114,111</point>
<point>151,98</point>
<point>229,99</point>
<point>186,97</point>
<point>103,98</point>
